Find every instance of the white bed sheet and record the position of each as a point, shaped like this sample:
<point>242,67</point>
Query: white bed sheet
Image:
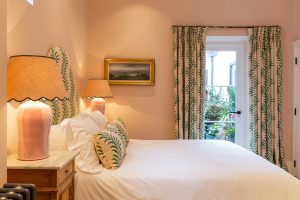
<point>185,170</point>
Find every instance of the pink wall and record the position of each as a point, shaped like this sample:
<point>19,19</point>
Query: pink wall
<point>34,29</point>
<point>3,60</point>
<point>142,29</point>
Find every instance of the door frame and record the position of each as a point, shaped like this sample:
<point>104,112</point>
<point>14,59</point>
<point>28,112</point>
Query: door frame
<point>238,44</point>
<point>296,50</point>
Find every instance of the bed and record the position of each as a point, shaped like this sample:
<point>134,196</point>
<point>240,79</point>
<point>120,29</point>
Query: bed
<point>196,169</point>
<point>162,170</point>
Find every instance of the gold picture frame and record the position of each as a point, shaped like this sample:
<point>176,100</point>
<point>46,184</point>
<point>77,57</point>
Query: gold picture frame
<point>120,71</point>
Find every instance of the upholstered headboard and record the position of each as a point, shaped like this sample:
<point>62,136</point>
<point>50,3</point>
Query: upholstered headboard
<point>69,107</point>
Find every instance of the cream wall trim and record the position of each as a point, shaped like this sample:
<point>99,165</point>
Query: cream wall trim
<point>296,97</point>
<point>3,60</point>
<point>290,165</point>
<point>297,43</point>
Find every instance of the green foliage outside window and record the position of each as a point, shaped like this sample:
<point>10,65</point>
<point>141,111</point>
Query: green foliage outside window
<point>219,104</point>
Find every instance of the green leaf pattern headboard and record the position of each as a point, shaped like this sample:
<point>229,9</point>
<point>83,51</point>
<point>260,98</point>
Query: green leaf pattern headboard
<point>69,107</point>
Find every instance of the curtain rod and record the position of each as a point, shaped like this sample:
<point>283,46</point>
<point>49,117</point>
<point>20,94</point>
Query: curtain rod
<point>224,26</point>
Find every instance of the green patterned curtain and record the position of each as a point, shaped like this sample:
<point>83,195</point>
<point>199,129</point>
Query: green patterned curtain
<point>189,77</point>
<point>265,76</point>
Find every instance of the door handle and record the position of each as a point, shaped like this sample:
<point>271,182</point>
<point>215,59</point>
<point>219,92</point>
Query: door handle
<point>236,112</point>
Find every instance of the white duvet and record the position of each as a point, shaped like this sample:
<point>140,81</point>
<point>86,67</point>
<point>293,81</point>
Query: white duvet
<point>185,170</point>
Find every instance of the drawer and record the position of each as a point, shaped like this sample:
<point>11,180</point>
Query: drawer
<point>40,177</point>
<point>65,172</point>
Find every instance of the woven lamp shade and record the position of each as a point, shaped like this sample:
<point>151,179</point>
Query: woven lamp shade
<point>34,77</point>
<point>97,88</point>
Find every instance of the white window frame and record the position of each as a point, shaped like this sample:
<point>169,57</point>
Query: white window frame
<point>30,1</point>
<point>238,44</point>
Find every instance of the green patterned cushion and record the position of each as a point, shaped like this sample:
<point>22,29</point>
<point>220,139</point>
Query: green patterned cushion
<point>110,149</point>
<point>118,126</point>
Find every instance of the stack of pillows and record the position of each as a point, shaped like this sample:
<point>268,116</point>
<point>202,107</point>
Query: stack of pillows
<point>100,144</point>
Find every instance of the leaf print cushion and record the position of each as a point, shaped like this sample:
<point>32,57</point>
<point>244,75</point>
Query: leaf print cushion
<point>109,148</point>
<point>118,126</point>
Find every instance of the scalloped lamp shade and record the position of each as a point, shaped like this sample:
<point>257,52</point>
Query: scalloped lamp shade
<point>98,90</point>
<point>34,78</point>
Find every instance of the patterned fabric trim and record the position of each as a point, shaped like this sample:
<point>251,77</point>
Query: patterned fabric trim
<point>189,78</point>
<point>69,107</point>
<point>265,76</point>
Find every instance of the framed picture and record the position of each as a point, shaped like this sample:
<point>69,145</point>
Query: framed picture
<point>120,71</point>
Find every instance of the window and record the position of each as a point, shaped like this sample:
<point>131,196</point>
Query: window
<point>225,114</point>
<point>30,1</point>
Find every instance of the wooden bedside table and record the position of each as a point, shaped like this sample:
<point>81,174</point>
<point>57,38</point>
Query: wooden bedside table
<point>54,176</point>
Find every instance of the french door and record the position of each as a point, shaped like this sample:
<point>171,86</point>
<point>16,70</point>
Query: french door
<point>297,108</point>
<point>226,80</point>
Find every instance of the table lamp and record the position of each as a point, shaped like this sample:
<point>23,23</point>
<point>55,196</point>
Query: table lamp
<point>98,90</point>
<point>33,78</point>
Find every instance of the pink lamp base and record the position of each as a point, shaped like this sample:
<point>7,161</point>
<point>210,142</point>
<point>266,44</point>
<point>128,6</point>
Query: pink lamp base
<point>98,104</point>
<point>34,121</point>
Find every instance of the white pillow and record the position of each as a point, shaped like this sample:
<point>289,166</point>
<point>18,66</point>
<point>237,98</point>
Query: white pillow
<point>79,132</point>
<point>57,138</point>
<point>87,160</point>
<point>97,116</point>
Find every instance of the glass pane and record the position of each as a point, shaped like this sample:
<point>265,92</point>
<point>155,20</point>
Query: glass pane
<point>221,90</point>
<point>220,68</point>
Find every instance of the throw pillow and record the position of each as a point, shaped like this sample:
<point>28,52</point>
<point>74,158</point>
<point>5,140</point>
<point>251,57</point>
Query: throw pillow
<point>110,148</point>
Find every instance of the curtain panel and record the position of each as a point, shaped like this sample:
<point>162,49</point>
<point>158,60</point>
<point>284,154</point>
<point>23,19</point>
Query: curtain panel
<point>189,81</point>
<point>265,74</point>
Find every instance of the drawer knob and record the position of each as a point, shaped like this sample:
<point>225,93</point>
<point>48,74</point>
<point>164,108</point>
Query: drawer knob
<point>66,171</point>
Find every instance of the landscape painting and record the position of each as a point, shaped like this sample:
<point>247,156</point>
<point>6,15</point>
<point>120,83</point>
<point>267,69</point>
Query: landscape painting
<point>129,71</point>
